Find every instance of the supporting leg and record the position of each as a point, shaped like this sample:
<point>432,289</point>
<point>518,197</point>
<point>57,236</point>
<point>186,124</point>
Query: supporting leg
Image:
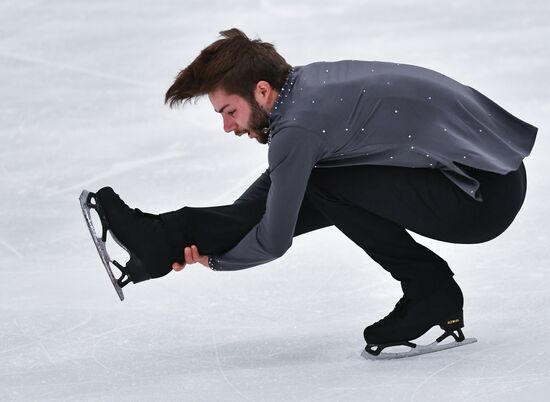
<point>418,269</point>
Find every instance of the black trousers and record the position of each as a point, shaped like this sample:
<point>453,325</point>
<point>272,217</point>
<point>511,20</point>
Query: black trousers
<point>374,206</point>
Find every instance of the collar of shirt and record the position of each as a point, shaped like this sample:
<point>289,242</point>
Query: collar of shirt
<point>283,93</point>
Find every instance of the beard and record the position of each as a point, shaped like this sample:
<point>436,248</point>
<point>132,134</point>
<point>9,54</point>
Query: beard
<point>258,122</point>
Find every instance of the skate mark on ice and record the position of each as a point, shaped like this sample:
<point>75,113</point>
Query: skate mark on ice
<point>506,385</point>
<point>22,346</point>
<point>116,169</point>
<point>46,352</point>
<point>11,248</point>
<point>425,381</point>
<point>54,336</point>
<point>508,379</point>
<point>307,299</point>
<point>39,341</point>
<point>221,369</point>
<point>100,336</point>
<point>76,326</point>
<point>36,341</point>
<point>94,357</point>
<point>76,69</point>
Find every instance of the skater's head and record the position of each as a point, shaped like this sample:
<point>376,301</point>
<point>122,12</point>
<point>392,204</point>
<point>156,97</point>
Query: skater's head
<point>241,77</point>
<point>243,116</point>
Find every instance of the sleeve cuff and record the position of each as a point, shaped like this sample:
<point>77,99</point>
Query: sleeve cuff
<point>214,263</point>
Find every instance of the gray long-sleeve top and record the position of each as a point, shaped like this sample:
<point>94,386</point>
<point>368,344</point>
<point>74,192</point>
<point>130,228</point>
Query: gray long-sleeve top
<point>371,113</point>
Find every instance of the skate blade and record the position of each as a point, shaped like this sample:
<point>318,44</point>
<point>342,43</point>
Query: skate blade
<point>99,243</point>
<point>418,350</point>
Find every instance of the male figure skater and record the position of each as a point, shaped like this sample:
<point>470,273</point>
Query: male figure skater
<point>374,148</point>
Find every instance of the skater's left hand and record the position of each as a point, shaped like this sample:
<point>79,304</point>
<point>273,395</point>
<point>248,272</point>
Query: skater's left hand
<point>191,256</point>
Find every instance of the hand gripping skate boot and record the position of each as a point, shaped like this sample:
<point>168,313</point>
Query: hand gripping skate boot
<point>141,234</point>
<point>411,319</point>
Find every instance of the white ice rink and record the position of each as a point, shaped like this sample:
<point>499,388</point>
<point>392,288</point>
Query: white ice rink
<point>81,106</point>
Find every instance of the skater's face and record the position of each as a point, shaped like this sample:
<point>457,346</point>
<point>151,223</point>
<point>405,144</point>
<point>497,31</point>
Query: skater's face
<point>243,117</point>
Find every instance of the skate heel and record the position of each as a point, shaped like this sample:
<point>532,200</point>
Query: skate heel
<point>453,322</point>
<point>452,326</point>
<point>134,271</point>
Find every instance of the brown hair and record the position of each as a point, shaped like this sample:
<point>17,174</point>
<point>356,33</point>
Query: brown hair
<point>235,64</point>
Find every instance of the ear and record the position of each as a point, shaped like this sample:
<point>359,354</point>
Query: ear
<point>263,91</point>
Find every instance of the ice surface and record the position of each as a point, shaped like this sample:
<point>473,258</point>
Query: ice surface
<point>81,106</point>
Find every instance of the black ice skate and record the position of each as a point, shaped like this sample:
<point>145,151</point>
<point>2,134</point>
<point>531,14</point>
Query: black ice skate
<point>140,234</point>
<point>411,319</point>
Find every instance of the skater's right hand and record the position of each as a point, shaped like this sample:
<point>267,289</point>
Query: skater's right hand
<point>191,256</point>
